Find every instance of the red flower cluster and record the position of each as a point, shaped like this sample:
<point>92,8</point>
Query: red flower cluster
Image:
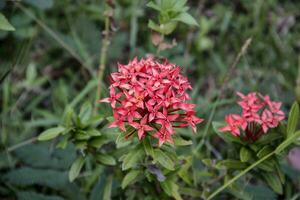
<point>259,114</point>
<point>151,97</point>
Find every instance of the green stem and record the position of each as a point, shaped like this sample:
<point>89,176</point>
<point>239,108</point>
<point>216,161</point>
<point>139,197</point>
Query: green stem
<point>158,47</point>
<point>91,85</point>
<point>242,173</point>
<point>19,145</point>
<point>133,27</point>
<point>103,55</point>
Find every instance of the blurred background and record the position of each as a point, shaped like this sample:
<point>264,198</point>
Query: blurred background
<point>51,60</point>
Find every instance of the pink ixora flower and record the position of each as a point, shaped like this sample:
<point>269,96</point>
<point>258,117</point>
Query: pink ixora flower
<point>151,97</point>
<point>234,124</point>
<point>259,114</point>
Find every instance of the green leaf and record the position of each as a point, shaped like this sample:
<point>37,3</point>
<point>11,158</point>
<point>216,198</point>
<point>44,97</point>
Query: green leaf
<point>166,4</point>
<point>268,138</point>
<point>93,132</point>
<point>75,168</point>
<point>85,112</point>
<point>122,141</point>
<point>293,119</point>
<point>171,189</point>
<point>80,144</point>
<point>264,151</point>
<point>63,143</point>
<point>106,159</point>
<point>231,164</point>
<point>107,188</point>
<point>245,154</point>
<point>185,175</point>
<point>4,24</point>
<point>280,173</point>
<point>254,147</point>
<point>185,169</point>
<point>153,26</point>
<point>98,189</point>
<point>130,178</point>
<point>31,73</point>
<point>163,159</point>
<point>180,6</point>
<point>165,28</point>
<point>153,5</point>
<point>51,133</point>
<point>81,135</point>
<point>68,116</point>
<point>273,181</point>
<point>166,186</point>
<point>267,165</point>
<point>287,142</point>
<point>186,18</point>
<point>179,141</point>
<point>132,158</point>
<point>148,147</point>
<point>97,142</point>
<point>190,192</point>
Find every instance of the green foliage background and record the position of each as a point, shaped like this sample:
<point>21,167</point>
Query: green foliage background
<point>50,62</point>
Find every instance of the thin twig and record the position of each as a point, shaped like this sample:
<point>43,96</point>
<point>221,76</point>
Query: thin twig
<point>103,54</point>
<point>234,64</point>
<point>19,145</point>
<point>191,34</point>
<point>133,27</point>
<point>224,81</point>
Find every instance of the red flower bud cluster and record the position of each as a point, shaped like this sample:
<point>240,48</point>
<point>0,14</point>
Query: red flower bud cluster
<point>151,97</point>
<point>259,114</point>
